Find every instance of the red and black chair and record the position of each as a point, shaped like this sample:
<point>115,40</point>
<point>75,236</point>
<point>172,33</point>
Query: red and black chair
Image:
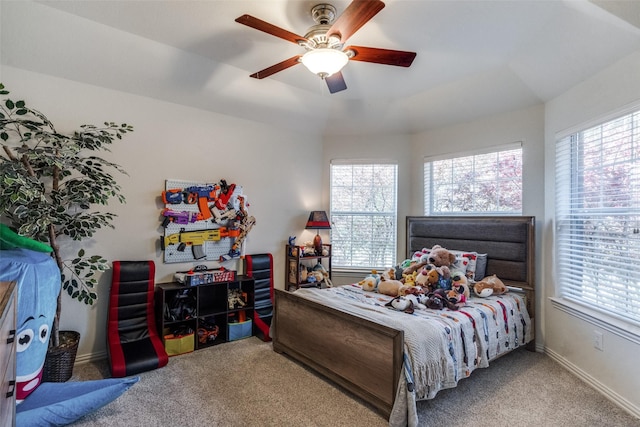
<point>260,268</point>
<point>134,345</point>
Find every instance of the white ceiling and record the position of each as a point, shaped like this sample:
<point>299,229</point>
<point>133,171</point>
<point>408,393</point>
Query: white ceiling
<point>474,58</point>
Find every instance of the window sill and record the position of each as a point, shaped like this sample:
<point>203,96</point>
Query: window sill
<point>611,324</point>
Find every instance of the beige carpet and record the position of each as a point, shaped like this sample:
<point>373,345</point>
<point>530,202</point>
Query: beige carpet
<point>245,383</point>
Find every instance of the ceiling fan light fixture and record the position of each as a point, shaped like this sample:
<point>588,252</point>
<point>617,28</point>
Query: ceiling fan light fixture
<point>324,61</point>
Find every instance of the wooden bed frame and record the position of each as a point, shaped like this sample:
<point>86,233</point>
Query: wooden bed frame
<point>365,357</point>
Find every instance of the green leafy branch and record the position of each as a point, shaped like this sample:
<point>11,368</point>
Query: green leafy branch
<point>50,183</point>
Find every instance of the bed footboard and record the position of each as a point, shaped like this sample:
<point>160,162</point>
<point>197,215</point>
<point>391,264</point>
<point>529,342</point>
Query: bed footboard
<point>363,357</point>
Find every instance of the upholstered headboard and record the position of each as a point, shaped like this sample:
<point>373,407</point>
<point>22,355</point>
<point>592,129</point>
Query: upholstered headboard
<point>508,242</point>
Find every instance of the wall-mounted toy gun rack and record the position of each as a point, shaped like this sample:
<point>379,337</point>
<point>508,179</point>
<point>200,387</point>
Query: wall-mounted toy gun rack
<point>204,222</point>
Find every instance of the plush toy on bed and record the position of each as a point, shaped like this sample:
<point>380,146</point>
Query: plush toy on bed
<point>461,284</point>
<point>437,256</point>
<point>488,286</point>
<point>409,279</point>
<point>401,303</point>
<point>389,287</point>
<point>370,283</point>
<point>415,294</point>
<point>438,299</point>
<point>456,297</point>
<point>427,278</point>
<point>412,299</point>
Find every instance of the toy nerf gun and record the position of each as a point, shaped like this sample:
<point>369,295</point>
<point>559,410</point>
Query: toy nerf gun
<point>183,217</point>
<point>241,233</point>
<point>196,239</point>
<point>201,195</point>
<point>226,191</point>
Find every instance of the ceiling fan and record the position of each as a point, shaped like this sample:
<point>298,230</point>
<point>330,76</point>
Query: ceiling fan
<point>326,54</point>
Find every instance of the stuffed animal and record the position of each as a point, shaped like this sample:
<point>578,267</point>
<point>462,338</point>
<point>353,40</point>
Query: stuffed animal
<point>427,278</point>
<point>308,249</point>
<point>421,255</point>
<point>441,257</point>
<point>370,283</point>
<point>434,302</point>
<point>293,250</point>
<point>410,279</point>
<point>388,274</point>
<point>456,297</point>
<point>413,266</point>
<point>415,294</point>
<point>401,303</point>
<point>389,287</point>
<point>439,299</point>
<point>488,286</point>
<point>460,284</point>
<point>324,275</point>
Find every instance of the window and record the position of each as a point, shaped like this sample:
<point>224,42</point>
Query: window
<point>487,183</point>
<point>598,217</point>
<point>363,214</point>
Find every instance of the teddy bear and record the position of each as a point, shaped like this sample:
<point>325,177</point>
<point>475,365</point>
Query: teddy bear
<point>437,256</point>
<point>441,257</point>
<point>488,286</point>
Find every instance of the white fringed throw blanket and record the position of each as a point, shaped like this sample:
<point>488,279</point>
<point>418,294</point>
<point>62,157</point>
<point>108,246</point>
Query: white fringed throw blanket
<point>441,346</point>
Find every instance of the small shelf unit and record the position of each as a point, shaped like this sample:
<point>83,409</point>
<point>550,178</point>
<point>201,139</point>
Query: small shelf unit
<point>296,261</point>
<point>208,305</point>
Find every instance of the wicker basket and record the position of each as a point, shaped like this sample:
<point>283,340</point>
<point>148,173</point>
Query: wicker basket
<point>58,365</point>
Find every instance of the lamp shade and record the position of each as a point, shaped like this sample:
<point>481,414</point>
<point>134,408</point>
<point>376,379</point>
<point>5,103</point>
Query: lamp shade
<point>324,61</point>
<point>318,220</point>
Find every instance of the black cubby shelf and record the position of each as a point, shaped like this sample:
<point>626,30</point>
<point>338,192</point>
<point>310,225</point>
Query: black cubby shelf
<point>210,310</point>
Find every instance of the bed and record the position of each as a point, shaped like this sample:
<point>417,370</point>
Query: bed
<point>367,349</point>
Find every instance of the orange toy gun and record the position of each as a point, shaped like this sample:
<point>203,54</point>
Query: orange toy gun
<point>203,195</point>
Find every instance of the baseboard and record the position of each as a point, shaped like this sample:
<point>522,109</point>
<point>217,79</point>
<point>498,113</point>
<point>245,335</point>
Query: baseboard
<point>597,385</point>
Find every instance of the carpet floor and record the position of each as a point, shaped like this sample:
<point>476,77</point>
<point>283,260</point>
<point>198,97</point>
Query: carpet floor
<point>246,383</point>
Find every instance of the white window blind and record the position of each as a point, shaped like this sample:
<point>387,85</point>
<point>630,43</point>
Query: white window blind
<point>598,217</point>
<point>363,214</point>
<point>487,183</point>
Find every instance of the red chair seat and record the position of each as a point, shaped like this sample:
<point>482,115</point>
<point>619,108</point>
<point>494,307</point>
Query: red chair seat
<point>134,345</point>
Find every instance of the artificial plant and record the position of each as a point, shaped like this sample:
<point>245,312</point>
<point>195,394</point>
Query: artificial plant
<point>50,184</point>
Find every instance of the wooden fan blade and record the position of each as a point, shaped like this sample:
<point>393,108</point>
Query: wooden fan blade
<point>381,56</point>
<point>335,82</point>
<point>358,13</point>
<point>261,25</point>
<point>294,60</point>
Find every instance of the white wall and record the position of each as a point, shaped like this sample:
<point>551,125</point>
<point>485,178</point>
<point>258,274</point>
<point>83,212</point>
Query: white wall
<point>274,166</point>
<point>568,335</point>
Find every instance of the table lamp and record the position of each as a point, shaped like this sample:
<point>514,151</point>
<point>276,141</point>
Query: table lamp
<point>318,220</point>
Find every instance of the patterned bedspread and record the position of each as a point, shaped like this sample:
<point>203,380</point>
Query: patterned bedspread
<point>441,346</point>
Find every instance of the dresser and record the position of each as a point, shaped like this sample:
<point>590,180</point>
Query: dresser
<point>8,304</point>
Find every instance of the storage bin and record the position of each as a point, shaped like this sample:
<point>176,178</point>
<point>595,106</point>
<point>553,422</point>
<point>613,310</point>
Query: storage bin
<point>179,344</point>
<point>240,330</point>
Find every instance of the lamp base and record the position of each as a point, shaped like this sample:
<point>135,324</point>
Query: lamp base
<point>317,244</point>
